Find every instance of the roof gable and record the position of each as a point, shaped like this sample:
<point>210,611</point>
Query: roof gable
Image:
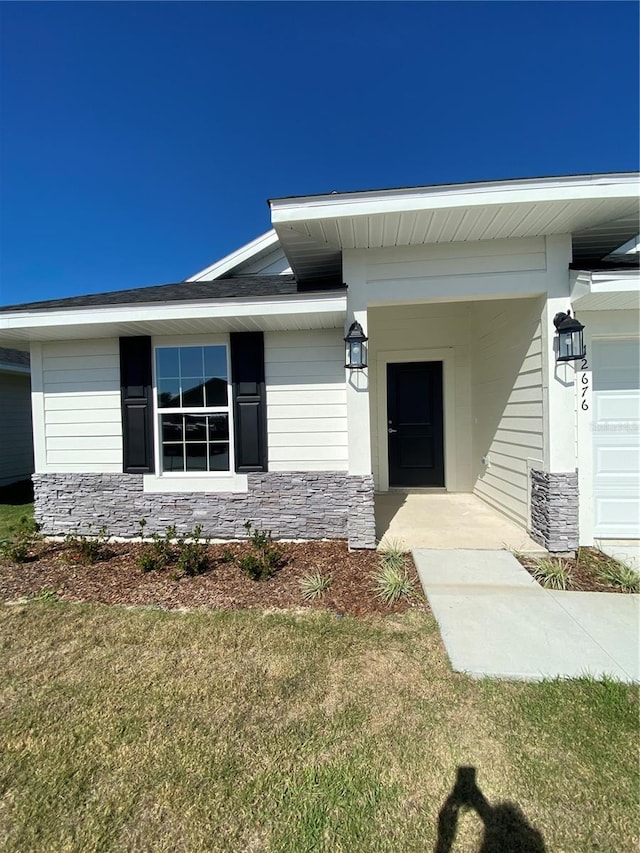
<point>262,256</point>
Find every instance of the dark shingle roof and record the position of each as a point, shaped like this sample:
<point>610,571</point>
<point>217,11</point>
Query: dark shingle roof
<point>186,291</point>
<point>14,357</point>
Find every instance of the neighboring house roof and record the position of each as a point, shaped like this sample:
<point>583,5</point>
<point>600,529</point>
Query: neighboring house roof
<point>189,291</point>
<point>14,360</point>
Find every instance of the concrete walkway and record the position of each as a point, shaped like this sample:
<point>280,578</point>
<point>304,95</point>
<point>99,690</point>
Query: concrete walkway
<point>496,621</point>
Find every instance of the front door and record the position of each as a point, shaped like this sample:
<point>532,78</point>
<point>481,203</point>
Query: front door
<point>415,424</point>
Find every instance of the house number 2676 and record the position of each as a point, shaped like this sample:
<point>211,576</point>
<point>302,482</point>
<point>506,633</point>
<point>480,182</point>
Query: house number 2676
<point>585,384</point>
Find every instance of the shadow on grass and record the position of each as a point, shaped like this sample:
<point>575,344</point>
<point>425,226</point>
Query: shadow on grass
<point>17,494</point>
<point>506,830</point>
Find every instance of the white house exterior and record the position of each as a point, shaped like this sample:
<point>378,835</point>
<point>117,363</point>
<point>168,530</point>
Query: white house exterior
<point>244,409</point>
<point>16,445</point>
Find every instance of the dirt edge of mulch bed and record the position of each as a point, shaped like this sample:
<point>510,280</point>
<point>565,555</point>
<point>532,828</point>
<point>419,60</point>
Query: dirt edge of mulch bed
<point>583,568</point>
<point>118,579</point>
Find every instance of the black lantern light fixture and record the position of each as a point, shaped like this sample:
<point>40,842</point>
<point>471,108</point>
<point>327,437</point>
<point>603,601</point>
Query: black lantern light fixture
<point>570,337</point>
<point>356,350</point>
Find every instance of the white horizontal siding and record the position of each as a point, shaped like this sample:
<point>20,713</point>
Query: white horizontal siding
<point>81,402</point>
<point>16,445</point>
<point>81,405</point>
<point>455,270</point>
<point>507,402</point>
<point>306,401</point>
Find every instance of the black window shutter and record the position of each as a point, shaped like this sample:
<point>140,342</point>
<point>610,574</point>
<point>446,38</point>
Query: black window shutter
<point>249,401</point>
<point>137,404</point>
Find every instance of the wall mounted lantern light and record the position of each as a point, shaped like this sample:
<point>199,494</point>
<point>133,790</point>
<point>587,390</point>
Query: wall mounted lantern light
<point>570,338</point>
<point>356,350</point>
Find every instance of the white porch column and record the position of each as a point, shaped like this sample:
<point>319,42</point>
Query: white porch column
<point>554,489</point>
<point>358,419</point>
<point>560,446</point>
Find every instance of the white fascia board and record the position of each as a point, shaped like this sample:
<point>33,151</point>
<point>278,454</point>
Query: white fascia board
<point>606,281</point>
<point>334,206</point>
<point>278,305</point>
<point>245,253</point>
<point>585,282</point>
<point>579,282</point>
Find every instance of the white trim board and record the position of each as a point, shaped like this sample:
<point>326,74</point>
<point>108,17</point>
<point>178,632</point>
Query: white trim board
<point>563,189</point>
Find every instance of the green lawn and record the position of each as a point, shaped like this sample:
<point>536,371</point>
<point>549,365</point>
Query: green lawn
<point>134,729</point>
<point>15,502</point>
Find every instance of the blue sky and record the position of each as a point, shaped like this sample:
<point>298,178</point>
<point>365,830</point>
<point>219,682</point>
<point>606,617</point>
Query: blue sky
<point>140,141</point>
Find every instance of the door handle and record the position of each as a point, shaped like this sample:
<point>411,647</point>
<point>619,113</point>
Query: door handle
<point>390,430</point>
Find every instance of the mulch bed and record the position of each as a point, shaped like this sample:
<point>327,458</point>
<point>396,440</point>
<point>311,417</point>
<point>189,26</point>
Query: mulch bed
<point>117,579</point>
<point>583,570</point>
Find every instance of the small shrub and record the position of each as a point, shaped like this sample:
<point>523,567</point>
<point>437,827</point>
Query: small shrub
<point>86,549</point>
<point>227,556</point>
<point>393,583</point>
<point>264,559</point>
<point>187,554</point>
<point>163,547</point>
<point>20,541</point>
<point>552,573</point>
<point>314,585</point>
<point>192,553</point>
<point>147,562</point>
<point>619,574</point>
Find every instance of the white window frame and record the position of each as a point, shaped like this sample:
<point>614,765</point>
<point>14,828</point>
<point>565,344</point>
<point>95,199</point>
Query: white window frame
<point>196,476</point>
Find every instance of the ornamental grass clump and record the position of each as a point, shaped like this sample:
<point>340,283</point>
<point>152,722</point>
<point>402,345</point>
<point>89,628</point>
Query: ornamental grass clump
<point>620,575</point>
<point>314,585</point>
<point>552,573</point>
<point>391,580</point>
<point>393,553</point>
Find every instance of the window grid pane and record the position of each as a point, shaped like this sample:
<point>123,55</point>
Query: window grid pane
<point>195,442</point>
<point>192,377</point>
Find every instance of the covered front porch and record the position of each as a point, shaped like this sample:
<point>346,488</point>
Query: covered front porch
<point>438,520</point>
<point>456,420</point>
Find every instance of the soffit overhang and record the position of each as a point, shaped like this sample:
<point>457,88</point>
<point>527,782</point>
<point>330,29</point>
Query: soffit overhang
<point>600,212</point>
<point>286,313</point>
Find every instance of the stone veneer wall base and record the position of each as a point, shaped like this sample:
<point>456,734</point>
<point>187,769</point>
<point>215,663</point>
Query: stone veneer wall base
<point>554,510</point>
<point>296,505</point>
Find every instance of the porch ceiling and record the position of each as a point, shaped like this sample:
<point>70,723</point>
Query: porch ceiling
<point>601,212</point>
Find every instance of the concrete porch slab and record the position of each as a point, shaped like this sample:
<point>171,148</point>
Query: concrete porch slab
<point>496,623</point>
<point>447,521</point>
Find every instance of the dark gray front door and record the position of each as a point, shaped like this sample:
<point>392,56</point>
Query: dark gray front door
<point>415,424</point>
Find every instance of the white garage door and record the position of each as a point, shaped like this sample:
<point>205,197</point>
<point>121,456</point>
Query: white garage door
<point>616,438</point>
